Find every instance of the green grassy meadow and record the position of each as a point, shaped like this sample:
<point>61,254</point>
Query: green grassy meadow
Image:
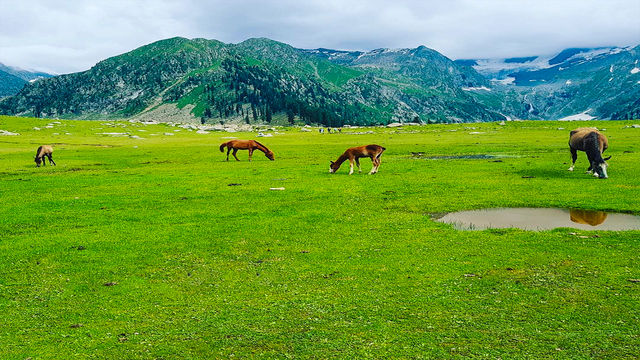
<point>334,266</point>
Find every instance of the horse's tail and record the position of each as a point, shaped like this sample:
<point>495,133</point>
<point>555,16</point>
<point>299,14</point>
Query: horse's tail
<point>223,145</point>
<point>381,151</point>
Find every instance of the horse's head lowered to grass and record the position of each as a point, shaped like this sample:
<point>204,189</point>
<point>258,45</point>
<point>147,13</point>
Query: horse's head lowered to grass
<point>333,167</point>
<point>600,167</point>
<point>269,154</point>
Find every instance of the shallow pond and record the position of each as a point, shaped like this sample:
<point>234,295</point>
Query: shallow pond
<point>540,219</point>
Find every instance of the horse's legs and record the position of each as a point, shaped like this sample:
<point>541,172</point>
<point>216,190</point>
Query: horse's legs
<point>51,160</point>
<point>234,154</point>
<point>574,157</point>
<point>228,151</point>
<point>250,153</point>
<point>374,169</point>
<point>44,163</point>
<point>358,164</point>
<point>590,169</point>
<point>350,166</point>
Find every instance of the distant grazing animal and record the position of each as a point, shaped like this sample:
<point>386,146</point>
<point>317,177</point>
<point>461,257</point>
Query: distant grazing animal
<point>591,141</point>
<point>42,152</point>
<point>250,145</point>
<point>355,153</point>
<point>592,218</point>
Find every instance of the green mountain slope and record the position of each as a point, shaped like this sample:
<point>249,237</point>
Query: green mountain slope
<point>10,84</point>
<point>119,86</point>
<point>258,80</point>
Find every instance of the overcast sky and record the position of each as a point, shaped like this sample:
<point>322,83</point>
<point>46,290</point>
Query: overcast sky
<point>70,36</point>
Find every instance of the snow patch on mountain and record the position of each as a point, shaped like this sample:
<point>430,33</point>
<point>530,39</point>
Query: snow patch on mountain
<point>474,88</point>
<point>509,80</point>
<point>501,69</point>
<point>499,66</point>
<point>581,116</point>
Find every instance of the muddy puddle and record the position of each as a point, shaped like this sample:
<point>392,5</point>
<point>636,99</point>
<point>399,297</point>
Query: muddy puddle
<point>537,219</point>
<point>420,155</point>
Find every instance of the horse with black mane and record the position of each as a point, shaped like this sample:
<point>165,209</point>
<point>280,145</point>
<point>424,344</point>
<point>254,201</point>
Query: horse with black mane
<point>250,145</point>
<point>44,151</point>
<point>592,142</point>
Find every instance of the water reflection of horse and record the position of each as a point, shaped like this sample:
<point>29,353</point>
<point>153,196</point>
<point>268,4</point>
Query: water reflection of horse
<point>587,217</point>
<point>592,142</point>
<point>250,145</point>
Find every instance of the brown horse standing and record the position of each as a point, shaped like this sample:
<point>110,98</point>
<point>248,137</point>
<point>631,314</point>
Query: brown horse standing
<point>250,145</point>
<point>44,150</point>
<point>592,142</point>
<point>355,153</point>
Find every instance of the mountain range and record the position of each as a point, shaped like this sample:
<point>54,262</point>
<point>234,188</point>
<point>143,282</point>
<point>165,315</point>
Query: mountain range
<point>263,81</point>
<point>13,79</point>
<point>575,83</point>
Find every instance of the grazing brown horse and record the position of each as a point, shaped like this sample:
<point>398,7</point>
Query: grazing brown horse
<point>250,145</point>
<point>355,153</point>
<point>592,142</point>
<point>42,152</point>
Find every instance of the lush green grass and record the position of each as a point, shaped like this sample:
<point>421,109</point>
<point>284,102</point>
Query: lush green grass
<point>335,266</point>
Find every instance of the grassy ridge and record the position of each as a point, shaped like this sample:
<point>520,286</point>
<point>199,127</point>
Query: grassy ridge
<point>335,266</point>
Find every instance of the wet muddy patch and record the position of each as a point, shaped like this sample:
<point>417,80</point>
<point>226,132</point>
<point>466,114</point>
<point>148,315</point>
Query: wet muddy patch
<point>537,219</point>
<point>96,145</point>
<point>420,155</point>
<point>156,162</point>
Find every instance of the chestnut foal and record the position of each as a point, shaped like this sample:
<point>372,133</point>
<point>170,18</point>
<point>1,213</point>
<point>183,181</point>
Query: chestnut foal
<point>355,153</point>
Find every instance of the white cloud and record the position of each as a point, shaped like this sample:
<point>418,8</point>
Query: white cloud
<point>73,35</point>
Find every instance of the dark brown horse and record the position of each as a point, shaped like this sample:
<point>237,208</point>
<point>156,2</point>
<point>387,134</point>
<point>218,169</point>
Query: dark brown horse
<point>374,152</point>
<point>42,152</point>
<point>592,142</point>
<point>250,145</point>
